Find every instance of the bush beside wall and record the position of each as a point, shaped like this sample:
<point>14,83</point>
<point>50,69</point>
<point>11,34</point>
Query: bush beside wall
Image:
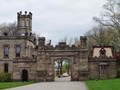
<point>5,77</point>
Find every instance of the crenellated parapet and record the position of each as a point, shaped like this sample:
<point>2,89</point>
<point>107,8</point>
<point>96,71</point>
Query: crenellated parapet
<point>24,23</point>
<point>62,45</point>
<point>20,15</point>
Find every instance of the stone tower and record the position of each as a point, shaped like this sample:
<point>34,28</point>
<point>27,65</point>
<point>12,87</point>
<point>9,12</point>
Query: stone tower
<point>83,40</point>
<point>24,23</point>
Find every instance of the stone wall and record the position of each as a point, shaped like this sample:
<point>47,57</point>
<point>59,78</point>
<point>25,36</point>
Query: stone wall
<point>94,69</point>
<point>29,65</point>
<point>11,44</point>
<point>10,65</point>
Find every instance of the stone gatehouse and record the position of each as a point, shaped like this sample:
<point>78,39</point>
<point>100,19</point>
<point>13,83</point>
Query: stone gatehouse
<point>27,61</point>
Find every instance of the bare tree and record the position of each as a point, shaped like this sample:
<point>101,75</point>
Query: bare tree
<point>71,41</point>
<point>9,28</point>
<point>76,41</point>
<point>110,17</point>
<point>65,39</point>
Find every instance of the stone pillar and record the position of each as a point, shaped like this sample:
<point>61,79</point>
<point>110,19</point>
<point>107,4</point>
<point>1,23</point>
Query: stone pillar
<point>41,42</point>
<point>83,41</point>
<point>83,73</point>
<point>41,66</point>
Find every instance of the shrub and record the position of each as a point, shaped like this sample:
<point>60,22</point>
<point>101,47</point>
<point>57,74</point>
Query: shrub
<point>5,77</point>
<point>118,73</point>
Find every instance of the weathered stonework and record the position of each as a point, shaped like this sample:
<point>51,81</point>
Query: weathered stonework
<point>36,63</point>
<point>107,62</point>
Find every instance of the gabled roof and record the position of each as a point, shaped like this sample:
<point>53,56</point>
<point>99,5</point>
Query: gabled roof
<point>98,50</point>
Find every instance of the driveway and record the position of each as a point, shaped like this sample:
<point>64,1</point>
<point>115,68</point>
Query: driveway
<point>58,85</point>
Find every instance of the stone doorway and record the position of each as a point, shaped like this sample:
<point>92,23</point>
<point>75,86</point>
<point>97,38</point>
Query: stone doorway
<point>62,70</point>
<point>103,70</point>
<point>24,75</point>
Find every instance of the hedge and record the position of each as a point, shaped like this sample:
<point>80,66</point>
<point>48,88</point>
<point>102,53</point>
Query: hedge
<point>5,77</point>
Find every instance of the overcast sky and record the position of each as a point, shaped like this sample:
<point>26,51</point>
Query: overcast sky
<point>54,19</point>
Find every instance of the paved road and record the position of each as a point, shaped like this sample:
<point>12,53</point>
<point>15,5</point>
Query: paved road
<point>58,85</point>
<point>62,79</point>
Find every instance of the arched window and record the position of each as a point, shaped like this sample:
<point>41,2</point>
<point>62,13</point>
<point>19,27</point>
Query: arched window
<point>5,68</point>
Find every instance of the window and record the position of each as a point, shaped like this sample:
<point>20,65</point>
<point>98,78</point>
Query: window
<point>6,51</point>
<point>17,51</point>
<point>5,68</point>
<point>22,23</point>
<point>27,23</point>
<point>103,69</point>
<point>83,74</point>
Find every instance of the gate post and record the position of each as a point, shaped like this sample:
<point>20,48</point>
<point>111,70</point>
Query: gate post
<point>83,73</point>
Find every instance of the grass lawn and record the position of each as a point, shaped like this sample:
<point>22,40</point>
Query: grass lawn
<point>4,85</point>
<point>111,84</point>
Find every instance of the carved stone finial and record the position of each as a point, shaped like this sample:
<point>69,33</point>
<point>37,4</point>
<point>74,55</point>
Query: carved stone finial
<point>25,12</point>
<point>20,12</point>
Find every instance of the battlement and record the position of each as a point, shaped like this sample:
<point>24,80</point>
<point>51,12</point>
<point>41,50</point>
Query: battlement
<point>62,43</point>
<point>83,37</point>
<point>28,15</point>
<point>83,40</point>
<point>42,38</point>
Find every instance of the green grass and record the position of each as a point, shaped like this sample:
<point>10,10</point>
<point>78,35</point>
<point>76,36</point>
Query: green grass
<point>111,84</point>
<point>4,85</point>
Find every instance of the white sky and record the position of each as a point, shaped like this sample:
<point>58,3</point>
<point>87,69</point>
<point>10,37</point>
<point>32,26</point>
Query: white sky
<point>54,19</point>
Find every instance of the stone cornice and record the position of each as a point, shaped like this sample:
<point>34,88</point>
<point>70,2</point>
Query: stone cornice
<point>17,38</point>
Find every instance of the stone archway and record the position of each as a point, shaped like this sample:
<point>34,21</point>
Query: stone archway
<point>24,75</point>
<point>47,54</point>
<point>71,62</point>
<point>59,71</point>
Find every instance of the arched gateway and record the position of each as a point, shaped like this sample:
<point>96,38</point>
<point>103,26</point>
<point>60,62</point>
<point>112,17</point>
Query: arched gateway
<point>47,54</point>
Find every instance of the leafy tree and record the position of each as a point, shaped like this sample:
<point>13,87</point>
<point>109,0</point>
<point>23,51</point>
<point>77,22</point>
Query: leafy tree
<point>101,36</point>
<point>67,66</point>
<point>108,30</point>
